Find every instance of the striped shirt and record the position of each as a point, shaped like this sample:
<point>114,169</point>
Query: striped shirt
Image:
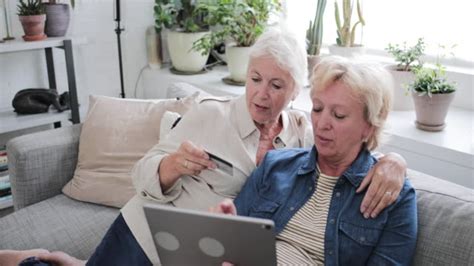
<point>302,240</point>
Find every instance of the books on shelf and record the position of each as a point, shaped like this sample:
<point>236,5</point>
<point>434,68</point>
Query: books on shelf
<point>5,186</point>
<point>3,160</point>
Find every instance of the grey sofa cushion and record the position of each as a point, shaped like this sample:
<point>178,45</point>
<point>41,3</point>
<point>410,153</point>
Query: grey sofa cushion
<point>443,241</point>
<point>78,227</point>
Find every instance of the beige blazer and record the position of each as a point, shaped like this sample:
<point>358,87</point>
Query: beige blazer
<point>223,127</point>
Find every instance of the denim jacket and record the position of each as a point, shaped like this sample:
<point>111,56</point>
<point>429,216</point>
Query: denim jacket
<point>286,180</point>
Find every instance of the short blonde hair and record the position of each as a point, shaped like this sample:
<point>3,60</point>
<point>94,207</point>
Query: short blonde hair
<point>370,83</point>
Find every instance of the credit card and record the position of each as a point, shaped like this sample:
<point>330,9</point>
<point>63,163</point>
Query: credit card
<point>222,164</point>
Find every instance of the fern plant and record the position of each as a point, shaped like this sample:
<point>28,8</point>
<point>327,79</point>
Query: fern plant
<point>30,8</point>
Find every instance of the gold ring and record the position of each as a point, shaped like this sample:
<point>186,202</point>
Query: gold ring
<point>185,163</point>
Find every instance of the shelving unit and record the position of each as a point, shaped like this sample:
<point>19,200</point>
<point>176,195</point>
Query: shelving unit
<point>9,120</point>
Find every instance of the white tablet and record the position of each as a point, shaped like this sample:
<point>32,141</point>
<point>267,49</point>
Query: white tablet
<point>188,237</point>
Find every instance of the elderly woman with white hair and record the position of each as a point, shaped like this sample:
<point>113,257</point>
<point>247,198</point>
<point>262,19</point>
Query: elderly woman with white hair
<point>178,170</point>
<point>310,194</point>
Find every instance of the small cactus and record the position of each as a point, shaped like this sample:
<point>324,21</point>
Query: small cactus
<point>314,33</point>
<point>30,8</point>
<point>346,32</point>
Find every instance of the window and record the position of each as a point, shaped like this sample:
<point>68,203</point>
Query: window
<point>396,21</point>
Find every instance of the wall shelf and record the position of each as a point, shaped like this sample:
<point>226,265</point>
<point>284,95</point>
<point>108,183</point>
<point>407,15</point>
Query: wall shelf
<point>10,121</point>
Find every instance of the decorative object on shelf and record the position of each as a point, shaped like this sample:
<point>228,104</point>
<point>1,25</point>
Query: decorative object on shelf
<point>57,18</point>
<point>186,25</point>
<point>32,18</point>
<point>6,15</point>
<point>346,32</point>
<point>34,101</point>
<point>407,58</point>
<point>432,94</point>
<point>240,21</point>
<point>153,48</point>
<point>314,36</point>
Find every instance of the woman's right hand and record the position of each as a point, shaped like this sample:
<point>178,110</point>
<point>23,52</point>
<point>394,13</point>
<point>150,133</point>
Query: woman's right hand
<point>187,160</point>
<point>227,206</point>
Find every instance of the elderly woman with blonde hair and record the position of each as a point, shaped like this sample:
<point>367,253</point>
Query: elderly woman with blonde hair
<point>310,194</point>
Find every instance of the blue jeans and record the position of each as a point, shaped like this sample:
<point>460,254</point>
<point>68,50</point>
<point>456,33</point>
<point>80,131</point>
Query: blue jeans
<point>119,247</point>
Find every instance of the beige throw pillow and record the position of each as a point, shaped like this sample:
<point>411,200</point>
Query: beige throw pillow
<point>115,135</point>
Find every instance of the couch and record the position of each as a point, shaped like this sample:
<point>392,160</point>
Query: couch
<point>42,163</point>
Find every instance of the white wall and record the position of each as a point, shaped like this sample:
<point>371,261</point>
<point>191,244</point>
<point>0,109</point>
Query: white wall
<point>96,62</point>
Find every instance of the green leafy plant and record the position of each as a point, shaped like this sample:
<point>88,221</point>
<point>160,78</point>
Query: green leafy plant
<point>407,56</point>
<point>30,8</point>
<point>346,31</point>
<point>243,21</point>
<point>431,81</point>
<point>314,33</point>
<point>180,15</point>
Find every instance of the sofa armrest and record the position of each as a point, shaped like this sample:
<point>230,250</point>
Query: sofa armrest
<point>40,164</point>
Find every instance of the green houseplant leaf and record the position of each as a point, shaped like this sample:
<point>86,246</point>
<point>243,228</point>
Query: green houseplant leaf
<point>243,21</point>
<point>407,56</point>
<point>30,8</point>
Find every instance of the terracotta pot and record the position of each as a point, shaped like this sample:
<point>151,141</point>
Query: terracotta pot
<point>313,60</point>
<point>431,111</point>
<point>57,19</point>
<point>33,26</point>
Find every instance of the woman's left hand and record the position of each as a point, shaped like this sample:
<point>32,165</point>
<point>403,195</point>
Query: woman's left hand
<point>384,181</point>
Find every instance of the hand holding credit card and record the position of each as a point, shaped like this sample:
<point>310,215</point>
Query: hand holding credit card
<point>222,164</point>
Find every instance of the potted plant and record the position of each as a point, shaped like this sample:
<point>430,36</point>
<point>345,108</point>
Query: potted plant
<point>432,94</point>
<point>314,36</point>
<point>57,17</point>
<point>32,18</point>
<point>407,59</point>
<point>346,31</point>
<point>186,25</point>
<point>241,22</point>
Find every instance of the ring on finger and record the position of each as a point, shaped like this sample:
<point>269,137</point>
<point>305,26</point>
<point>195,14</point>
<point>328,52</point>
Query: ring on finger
<point>388,193</point>
<point>185,163</point>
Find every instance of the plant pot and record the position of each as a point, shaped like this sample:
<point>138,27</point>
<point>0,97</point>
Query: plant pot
<point>33,26</point>
<point>431,111</point>
<point>313,60</point>
<point>183,57</point>
<point>349,52</point>
<point>237,62</point>
<point>402,100</point>
<point>57,19</point>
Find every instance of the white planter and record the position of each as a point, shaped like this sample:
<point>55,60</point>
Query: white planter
<point>183,57</point>
<point>237,62</point>
<point>349,52</point>
<point>402,100</point>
